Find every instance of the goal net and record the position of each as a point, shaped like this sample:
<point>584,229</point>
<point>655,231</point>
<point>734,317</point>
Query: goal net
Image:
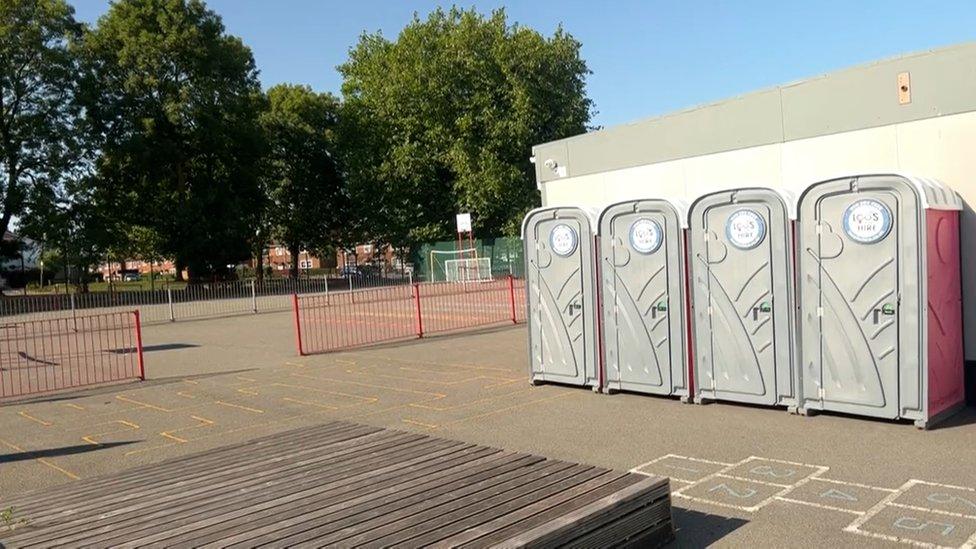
<point>458,266</point>
<point>468,270</point>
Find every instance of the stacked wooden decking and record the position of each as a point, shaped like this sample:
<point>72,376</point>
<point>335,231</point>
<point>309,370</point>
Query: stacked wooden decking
<point>346,485</point>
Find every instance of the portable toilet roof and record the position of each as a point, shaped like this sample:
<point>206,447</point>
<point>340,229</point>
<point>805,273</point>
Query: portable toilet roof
<point>680,206</point>
<point>789,197</point>
<point>933,194</point>
<point>592,214</point>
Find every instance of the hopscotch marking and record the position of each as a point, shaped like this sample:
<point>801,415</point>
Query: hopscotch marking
<point>816,476</point>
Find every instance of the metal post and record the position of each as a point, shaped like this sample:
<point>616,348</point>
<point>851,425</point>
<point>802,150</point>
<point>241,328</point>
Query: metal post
<point>169,296</point>
<point>298,325</point>
<point>254,298</point>
<point>142,363</point>
<point>350,283</point>
<point>511,297</point>
<point>74,315</point>
<point>410,276</point>
<point>420,318</point>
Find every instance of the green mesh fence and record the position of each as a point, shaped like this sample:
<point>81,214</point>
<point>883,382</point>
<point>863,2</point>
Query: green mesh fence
<point>505,254</point>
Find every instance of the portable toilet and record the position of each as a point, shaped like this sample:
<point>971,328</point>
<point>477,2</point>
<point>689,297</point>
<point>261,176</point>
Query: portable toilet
<point>880,298</point>
<point>643,301</point>
<point>741,267</point>
<point>560,256</point>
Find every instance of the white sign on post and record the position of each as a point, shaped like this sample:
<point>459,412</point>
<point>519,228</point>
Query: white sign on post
<point>464,223</point>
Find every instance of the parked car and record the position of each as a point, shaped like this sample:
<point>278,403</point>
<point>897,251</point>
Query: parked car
<point>131,277</point>
<point>351,271</point>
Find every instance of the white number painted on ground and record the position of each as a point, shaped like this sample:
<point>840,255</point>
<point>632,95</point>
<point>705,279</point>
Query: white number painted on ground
<point>769,471</point>
<point>747,493</point>
<point>912,523</point>
<point>837,494</point>
<point>941,497</point>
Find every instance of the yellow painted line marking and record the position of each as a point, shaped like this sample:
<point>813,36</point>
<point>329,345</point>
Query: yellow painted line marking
<point>204,422</point>
<point>32,418</point>
<point>295,364</point>
<point>90,439</point>
<point>248,379</point>
<point>72,405</point>
<point>398,389</point>
<point>420,423</point>
<point>466,404</point>
<point>191,382</point>
<point>143,404</point>
<point>250,392</point>
<point>506,382</point>
<point>184,395</point>
<point>66,473</point>
<point>222,403</point>
<point>173,437</point>
<point>431,363</point>
<point>297,401</point>
<point>317,390</point>
<point>344,361</point>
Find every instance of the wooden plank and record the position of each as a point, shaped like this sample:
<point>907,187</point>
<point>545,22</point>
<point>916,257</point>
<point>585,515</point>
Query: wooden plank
<point>388,523</point>
<point>552,531</point>
<point>487,511</point>
<point>244,511</point>
<point>343,484</point>
<point>546,510</point>
<point>304,481</point>
<point>413,480</point>
<point>135,504</point>
<point>379,504</point>
<point>146,473</point>
<point>213,470</point>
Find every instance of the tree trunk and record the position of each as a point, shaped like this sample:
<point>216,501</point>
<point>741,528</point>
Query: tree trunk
<point>259,264</point>
<point>294,249</point>
<point>179,270</point>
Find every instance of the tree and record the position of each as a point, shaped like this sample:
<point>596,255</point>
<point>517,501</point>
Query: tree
<point>172,104</point>
<point>443,120</point>
<point>37,109</point>
<point>306,199</point>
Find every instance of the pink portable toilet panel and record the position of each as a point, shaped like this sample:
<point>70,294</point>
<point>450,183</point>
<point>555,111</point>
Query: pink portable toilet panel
<point>945,350</point>
<point>880,316</point>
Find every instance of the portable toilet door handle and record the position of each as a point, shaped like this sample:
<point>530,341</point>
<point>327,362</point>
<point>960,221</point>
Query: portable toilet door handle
<point>888,309</point>
<point>659,307</point>
<point>574,307</point>
<point>763,307</point>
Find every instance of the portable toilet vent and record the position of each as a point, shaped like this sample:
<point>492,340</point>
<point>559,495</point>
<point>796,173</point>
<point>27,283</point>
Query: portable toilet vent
<point>560,255</point>
<point>642,271</point>
<point>880,298</point>
<point>741,262</point>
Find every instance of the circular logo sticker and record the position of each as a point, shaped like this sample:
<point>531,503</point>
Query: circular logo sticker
<point>562,239</point>
<point>867,221</point>
<point>645,236</point>
<point>745,229</point>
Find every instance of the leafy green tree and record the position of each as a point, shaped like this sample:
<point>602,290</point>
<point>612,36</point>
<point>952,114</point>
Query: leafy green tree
<point>74,227</point>
<point>37,110</point>
<point>172,104</point>
<point>443,119</point>
<point>306,199</point>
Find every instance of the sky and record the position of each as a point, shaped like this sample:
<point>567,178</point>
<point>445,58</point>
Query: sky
<point>647,57</point>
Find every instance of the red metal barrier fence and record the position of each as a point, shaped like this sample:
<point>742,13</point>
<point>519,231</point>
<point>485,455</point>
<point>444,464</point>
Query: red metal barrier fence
<point>330,322</point>
<point>41,356</point>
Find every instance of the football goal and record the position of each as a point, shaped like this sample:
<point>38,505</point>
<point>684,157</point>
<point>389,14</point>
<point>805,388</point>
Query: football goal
<point>459,266</point>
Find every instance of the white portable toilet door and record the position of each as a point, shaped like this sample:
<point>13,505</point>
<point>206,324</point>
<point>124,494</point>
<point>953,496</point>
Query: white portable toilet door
<point>740,293</point>
<point>562,246</point>
<point>859,270</point>
<point>638,293</point>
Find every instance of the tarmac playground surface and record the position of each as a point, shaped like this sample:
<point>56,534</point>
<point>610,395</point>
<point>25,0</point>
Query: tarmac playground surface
<point>740,475</point>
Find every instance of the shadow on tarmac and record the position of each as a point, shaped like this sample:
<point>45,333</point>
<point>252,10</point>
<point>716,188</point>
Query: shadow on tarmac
<point>697,529</point>
<point>63,451</point>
